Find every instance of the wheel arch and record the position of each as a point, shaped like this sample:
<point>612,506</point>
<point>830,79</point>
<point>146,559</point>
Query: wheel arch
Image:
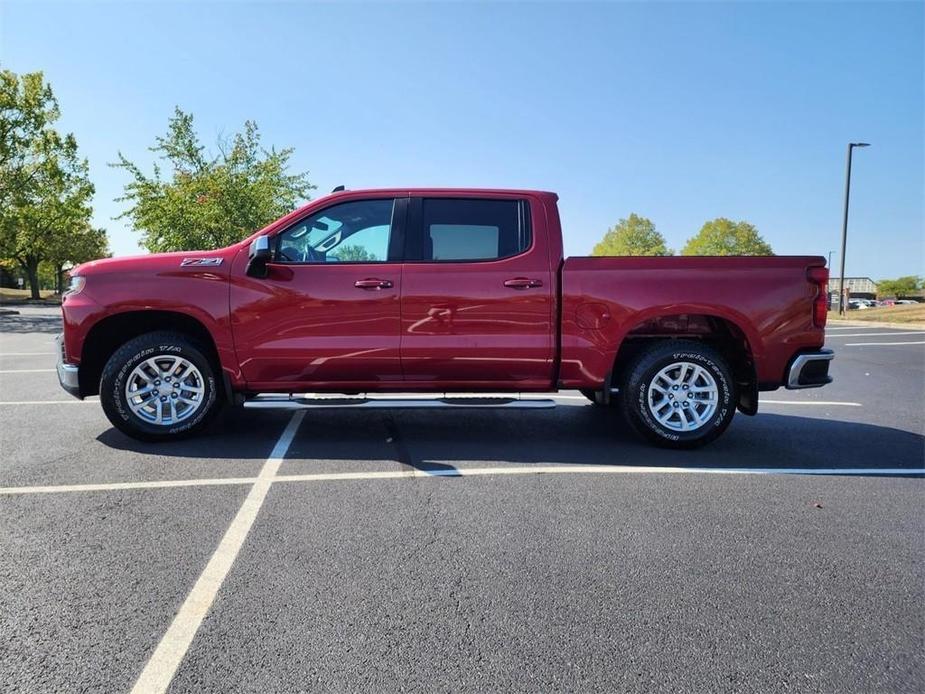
<point>113,331</point>
<point>729,336</point>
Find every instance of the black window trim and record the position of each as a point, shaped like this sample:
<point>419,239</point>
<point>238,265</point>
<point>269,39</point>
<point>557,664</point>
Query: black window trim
<point>397,235</point>
<point>414,239</point>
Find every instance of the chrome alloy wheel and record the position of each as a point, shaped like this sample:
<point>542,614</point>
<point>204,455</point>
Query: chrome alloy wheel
<point>683,396</point>
<point>165,390</point>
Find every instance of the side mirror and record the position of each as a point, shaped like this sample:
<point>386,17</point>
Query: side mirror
<point>258,257</point>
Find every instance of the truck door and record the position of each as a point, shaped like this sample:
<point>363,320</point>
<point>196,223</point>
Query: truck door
<point>477,295</point>
<point>327,315</point>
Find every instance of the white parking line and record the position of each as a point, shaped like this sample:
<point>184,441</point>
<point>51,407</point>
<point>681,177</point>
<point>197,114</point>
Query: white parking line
<point>26,354</point>
<point>165,660</point>
<point>74,401</point>
<point>26,371</point>
<point>902,333</point>
<point>582,398</point>
<point>452,472</point>
<point>875,344</point>
<point>595,469</point>
<point>118,486</point>
<point>811,402</point>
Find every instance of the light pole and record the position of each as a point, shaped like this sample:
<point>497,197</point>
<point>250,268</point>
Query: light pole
<point>843,295</point>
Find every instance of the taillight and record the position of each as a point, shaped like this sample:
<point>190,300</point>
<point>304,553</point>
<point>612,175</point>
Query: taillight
<point>820,277</point>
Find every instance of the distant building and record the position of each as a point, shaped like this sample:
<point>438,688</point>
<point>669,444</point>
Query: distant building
<point>858,287</point>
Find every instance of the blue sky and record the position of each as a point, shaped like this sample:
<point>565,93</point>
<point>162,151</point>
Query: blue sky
<point>679,112</point>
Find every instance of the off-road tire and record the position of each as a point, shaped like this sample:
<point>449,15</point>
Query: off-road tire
<point>634,393</point>
<point>124,360</point>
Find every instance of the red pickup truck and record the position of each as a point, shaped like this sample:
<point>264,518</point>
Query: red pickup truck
<point>439,291</point>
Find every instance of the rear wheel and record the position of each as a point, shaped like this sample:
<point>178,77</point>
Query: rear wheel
<point>159,386</point>
<point>679,394</point>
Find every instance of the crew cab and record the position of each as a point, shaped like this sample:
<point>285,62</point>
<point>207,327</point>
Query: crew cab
<point>439,291</point>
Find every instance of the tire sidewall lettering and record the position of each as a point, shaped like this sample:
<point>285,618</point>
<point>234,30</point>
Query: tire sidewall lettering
<point>118,389</point>
<point>642,391</point>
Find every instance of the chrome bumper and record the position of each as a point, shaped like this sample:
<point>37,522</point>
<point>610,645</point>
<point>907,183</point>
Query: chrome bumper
<point>810,370</point>
<point>67,373</point>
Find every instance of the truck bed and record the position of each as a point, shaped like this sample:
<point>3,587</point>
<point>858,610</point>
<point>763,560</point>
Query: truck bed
<point>766,299</point>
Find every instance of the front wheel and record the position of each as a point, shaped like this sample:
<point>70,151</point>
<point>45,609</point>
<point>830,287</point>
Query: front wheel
<point>159,386</point>
<point>679,394</point>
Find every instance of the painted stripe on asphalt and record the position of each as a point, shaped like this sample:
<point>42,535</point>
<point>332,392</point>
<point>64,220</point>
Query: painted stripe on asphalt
<point>892,334</point>
<point>461,472</point>
<point>26,354</point>
<point>874,344</point>
<point>165,660</point>
<point>117,486</point>
<point>26,371</point>
<point>810,402</point>
<point>599,469</point>
<point>75,401</point>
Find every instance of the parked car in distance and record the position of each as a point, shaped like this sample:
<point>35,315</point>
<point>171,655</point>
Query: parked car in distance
<point>439,291</point>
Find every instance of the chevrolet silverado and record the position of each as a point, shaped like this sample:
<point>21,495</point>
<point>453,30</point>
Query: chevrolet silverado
<point>439,291</point>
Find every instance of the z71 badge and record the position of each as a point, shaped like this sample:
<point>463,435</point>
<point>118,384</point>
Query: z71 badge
<point>200,261</point>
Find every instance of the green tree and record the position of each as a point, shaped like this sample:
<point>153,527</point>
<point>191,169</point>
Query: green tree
<point>44,184</point>
<point>209,200</point>
<point>81,246</point>
<point>354,254</point>
<point>900,288</point>
<point>27,109</point>
<point>724,237</point>
<point>634,235</point>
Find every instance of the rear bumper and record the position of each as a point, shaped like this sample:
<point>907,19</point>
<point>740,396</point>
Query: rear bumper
<point>68,374</point>
<point>810,369</point>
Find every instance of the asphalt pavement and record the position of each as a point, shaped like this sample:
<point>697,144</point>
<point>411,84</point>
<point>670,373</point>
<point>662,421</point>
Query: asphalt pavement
<point>422,550</point>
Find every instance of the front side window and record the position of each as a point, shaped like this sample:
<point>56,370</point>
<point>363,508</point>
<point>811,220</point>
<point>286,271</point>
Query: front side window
<point>352,232</point>
<point>463,229</point>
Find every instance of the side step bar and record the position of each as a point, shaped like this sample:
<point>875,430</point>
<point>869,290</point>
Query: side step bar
<point>277,402</point>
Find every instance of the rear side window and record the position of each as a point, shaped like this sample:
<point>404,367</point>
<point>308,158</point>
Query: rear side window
<point>462,230</point>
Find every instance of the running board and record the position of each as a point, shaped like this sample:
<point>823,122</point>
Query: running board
<point>277,402</point>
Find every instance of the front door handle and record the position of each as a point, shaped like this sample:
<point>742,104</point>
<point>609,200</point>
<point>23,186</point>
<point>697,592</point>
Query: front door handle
<point>373,283</point>
<point>522,283</point>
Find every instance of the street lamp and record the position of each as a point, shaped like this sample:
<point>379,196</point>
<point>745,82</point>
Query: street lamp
<point>843,295</point>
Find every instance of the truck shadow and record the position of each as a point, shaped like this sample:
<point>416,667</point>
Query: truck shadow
<point>434,440</point>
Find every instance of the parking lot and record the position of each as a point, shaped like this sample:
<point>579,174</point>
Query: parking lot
<point>420,550</point>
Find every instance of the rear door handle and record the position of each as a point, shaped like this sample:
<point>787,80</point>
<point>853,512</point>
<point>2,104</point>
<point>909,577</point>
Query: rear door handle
<point>522,283</point>
<point>373,283</point>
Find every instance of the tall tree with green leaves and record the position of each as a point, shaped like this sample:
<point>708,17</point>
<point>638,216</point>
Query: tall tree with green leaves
<point>27,109</point>
<point>634,235</point>
<point>723,236</point>
<point>209,200</point>
<point>45,189</point>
